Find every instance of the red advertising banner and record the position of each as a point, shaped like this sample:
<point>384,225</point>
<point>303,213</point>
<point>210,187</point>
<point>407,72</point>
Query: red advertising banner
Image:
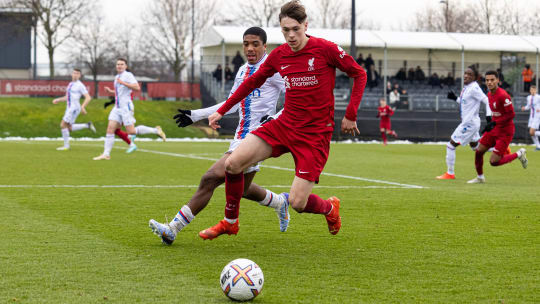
<point>136,95</point>
<point>178,90</point>
<point>38,87</point>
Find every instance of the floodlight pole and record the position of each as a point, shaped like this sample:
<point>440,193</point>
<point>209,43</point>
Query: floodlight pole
<point>462,66</point>
<point>353,35</point>
<point>35,48</point>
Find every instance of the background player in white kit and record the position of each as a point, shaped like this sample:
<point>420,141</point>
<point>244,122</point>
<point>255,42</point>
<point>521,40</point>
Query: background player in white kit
<point>123,110</point>
<point>467,132</point>
<point>74,91</point>
<point>252,111</point>
<point>533,104</point>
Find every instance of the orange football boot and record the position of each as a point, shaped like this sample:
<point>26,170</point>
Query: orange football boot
<point>220,228</point>
<point>333,219</point>
<point>446,176</point>
<point>508,151</point>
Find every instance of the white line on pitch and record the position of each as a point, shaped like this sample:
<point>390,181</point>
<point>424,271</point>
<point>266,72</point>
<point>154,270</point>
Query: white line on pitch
<point>285,169</point>
<point>190,186</point>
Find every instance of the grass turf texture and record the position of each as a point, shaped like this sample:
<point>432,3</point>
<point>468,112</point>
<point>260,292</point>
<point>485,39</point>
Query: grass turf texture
<point>450,242</point>
<point>38,117</point>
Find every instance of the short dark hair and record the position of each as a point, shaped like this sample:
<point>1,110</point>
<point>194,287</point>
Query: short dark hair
<point>533,87</point>
<point>474,71</point>
<point>293,9</point>
<point>257,31</point>
<point>77,69</point>
<point>122,59</point>
<point>492,72</point>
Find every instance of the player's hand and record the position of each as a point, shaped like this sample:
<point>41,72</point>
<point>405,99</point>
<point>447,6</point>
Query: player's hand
<point>213,120</point>
<point>452,95</point>
<point>349,127</point>
<point>109,90</point>
<point>522,108</point>
<point>265,119</point>
<point>490,125</point>
<point>183,120</point>
<point>120,81</point>
<point>83,110</point>
<point>55,101</point>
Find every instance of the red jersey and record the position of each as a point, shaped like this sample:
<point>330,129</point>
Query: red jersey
<point>501,106</point>
<point>384,113</point>
<point>309,76</point>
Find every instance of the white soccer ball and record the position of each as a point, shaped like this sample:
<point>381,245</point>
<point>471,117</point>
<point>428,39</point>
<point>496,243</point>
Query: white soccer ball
<point>241,280</point>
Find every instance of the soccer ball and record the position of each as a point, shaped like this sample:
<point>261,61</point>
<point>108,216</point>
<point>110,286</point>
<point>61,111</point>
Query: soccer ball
<point>241,280</point>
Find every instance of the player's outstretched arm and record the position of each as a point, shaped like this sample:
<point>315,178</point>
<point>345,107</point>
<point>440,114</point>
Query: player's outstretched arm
<point>213,120</point>
<point>60,99</point>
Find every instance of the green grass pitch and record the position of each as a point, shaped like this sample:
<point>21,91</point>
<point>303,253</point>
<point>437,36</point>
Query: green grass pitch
<point>447,242</point>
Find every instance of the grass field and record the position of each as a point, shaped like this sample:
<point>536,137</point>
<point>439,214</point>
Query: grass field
<point>413,240</point>
<point>38,117</point>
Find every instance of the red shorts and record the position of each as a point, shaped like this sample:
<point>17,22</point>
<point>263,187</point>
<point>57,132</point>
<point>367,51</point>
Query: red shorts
<point>385,124</point>
<point>309,150</point>
<point>500,138</point>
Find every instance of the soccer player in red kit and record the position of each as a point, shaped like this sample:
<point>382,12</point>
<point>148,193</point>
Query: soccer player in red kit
<point>308,66</point>
<point>499,132</point>
<point>384,112</point>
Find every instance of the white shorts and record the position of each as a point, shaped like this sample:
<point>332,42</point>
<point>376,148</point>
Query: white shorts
<point>234,144</point>
<point>466,133</point>
<point>71,115</point>
<point>534,122</point>
<point>123,116</point>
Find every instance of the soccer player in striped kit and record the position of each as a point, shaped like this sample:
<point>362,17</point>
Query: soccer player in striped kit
<point>252,111</point>
<point>74,91</point>
<point>308,67</point>
<point>123,110</point>
<point>533,104</point>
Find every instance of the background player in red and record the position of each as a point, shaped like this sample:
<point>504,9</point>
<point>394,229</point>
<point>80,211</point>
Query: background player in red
<point>308,67</point>
<point>384,112</point>
<point>499,132</point>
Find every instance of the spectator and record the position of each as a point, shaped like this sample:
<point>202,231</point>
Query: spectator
<point>394,98</point>
<point>398,88</point>
<point>419,74</point>
<point>237,61</point>
<point>403,100</point>
<point>217,73</point>
<point>388,87</point>
<point>401,75</point>
<point>369,62</point>
<point>435,81</point>
<point>228,74</point>
<point>372,77</point>
<point>411,75</point>
<point>360,59</point>
<point>449,80</point>
<point>527,74</point>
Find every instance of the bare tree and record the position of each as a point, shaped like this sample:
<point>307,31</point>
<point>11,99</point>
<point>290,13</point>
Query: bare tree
<point>168,29</point>
<point>257,12</point>
<point>448,16</point>
<point>57,19</point>
<point>90,46</point>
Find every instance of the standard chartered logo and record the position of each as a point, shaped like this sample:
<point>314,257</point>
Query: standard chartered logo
<point>305,81</point>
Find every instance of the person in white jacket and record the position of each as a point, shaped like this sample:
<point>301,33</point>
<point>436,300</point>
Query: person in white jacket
<point>533,104</point>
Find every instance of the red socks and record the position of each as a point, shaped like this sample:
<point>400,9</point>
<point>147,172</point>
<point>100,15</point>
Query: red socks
<point>123,135</point>
<point>315,204</point>
<point>479,162</point>
<point>234,189</point>
<point>505,159</point>
<point>383,135</point>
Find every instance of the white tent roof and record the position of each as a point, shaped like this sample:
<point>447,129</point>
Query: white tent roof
<point>396,40</point>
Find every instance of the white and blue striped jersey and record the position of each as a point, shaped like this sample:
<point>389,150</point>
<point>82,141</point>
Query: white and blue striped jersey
<point>260,102</point>
<point>469,103</point>
<point>74,91</point>
<point>122,93</point>
<point>533,104</point>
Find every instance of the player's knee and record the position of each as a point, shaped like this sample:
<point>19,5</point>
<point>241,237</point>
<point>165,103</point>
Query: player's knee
<point>211,179</point>
<point>297,203</point>
<point>232,166</point>
<point>532,132</point>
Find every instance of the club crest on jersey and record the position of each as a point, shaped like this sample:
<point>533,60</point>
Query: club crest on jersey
<point>342,51</point>
<point>287,83</point>
<point>507,102</point>
<point>310,64</point>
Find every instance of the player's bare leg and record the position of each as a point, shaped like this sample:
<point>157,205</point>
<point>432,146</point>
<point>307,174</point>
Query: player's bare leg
<point>450,160</point>
<point>392,133</point>
<point>532,132</point>
<point>302,200</point>
<point>498,160</point>
<point>109,140</point>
